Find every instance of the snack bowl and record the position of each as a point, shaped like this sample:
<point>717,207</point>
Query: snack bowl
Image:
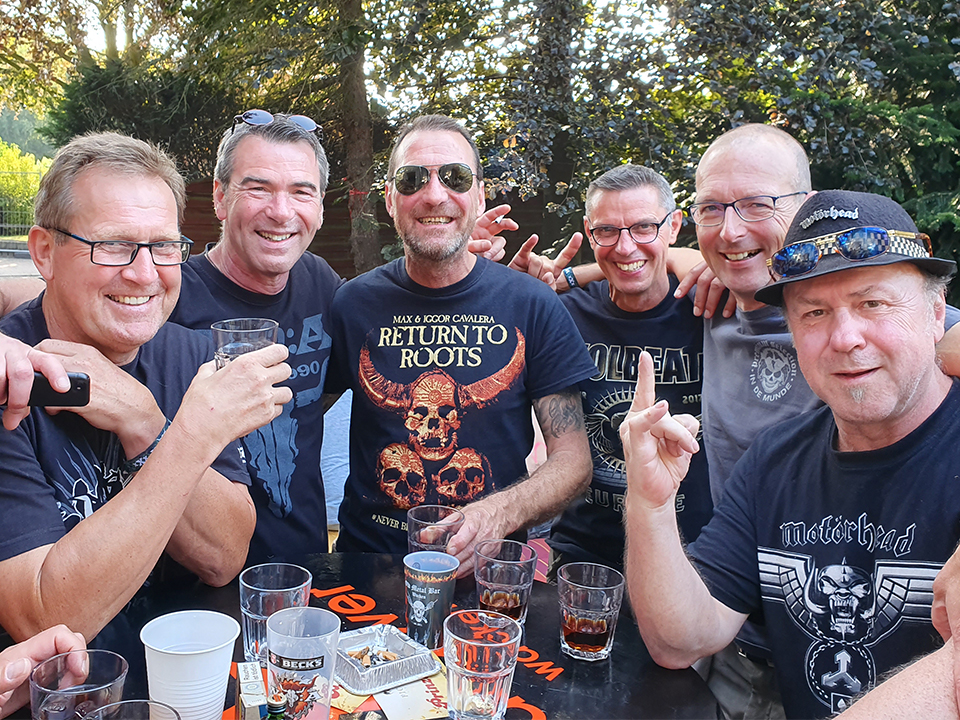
<point>413,661</point>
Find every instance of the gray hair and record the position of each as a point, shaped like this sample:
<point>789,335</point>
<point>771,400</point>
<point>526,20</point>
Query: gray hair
<point>432,123</point>
<point>629,177</point>
<point>280,130</point>
<point>117,154</point>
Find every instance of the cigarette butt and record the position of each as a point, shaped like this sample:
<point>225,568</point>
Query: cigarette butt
<point>366,660</point>
<point>390,656</point>
<point>499,219</point>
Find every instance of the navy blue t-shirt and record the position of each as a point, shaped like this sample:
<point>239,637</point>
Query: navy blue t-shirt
<point>443,383</point>
<point>59,469</point>
<point>283,457</point>
<point>591,528</point>
<point>839,548</point>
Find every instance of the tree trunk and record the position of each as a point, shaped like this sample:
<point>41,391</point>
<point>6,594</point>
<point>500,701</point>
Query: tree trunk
<point>358,138</point>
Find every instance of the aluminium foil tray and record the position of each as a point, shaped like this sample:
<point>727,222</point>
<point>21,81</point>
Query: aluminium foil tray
<point>414,661</point>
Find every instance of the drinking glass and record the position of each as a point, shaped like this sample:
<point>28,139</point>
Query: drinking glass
<point>72,684</point>
<point>429,579</point>
<point>430,527</point>
<point>235,337</point>
<point>264,589</point>
<point>480,649</point>
<point>134,710</point>
<point>504,572</point>
<point>302,648</point>
<point>590,597</point>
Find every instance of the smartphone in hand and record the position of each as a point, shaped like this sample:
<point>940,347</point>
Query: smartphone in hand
<point>43,395</point>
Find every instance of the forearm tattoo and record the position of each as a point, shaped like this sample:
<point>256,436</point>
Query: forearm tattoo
<point>559,414</point>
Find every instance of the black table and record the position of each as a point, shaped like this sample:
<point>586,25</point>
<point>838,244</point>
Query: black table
<point>364,589</point>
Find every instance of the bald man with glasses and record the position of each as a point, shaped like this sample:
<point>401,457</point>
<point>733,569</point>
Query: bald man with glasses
<point>446,353</point>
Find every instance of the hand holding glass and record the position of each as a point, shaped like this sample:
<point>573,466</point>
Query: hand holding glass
<point>430,527</point>
<point>235,337</point>
<point>70,685</point>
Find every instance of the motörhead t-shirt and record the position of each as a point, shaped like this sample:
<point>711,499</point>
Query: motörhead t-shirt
<point>839,548</point>
<point>284,456</point>
<point>591,528</point>
<point>443,382</point>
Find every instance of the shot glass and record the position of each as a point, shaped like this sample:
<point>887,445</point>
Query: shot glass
<point>302,646</point>
<point>504,572</point>
<point>188,661</point>
<point>134,710</point>
<point>429,578</point>
<point>70,685</point>
<point>480,650</point>
<point>430,527</point>
<point>264,589</point>
<point>235,337</point>
<point>590,597</point>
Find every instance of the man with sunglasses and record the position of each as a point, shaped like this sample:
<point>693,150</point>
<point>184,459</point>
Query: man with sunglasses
<point>631,220</point>
<point>834,523</point>
<point>446,353</point>
<point>93,496</point>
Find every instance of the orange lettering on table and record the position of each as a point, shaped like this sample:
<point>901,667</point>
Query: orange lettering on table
<point>352,604</point>
<point>519,704</point>
<point>332,591</point>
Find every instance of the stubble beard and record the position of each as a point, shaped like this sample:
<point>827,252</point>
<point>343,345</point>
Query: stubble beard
<point>431,251</point>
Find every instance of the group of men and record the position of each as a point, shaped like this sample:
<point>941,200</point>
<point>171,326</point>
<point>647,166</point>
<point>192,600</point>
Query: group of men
<point>815,532</point>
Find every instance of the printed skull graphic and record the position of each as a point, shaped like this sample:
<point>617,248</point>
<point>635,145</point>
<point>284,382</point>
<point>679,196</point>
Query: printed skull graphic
<point>842,601</point>
<point>463,478</point>
<point>418,611</point>
<point>401,476</point>
<point>772,368</point>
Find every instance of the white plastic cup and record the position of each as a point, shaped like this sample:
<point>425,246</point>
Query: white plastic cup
<point>188,661</point>
<point>302,650</point>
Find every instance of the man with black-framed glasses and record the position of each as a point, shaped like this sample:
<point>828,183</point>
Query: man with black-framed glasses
<point>446,353</point>
<point>144,482</point>
<point>631,220</point>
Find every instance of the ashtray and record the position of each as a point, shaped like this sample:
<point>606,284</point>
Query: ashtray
<point>383,642</point>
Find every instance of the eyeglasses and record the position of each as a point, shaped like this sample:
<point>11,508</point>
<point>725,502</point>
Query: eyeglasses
<point>262,117</point>
<point>854,244</point>
<point>117,253</point>
<point>749,209</point>
<point>641,233</point>
<point>411,178</point>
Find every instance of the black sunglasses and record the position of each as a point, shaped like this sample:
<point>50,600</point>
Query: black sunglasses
<point>262,117</point>
<point>411,178</point>
<point>854,244</point>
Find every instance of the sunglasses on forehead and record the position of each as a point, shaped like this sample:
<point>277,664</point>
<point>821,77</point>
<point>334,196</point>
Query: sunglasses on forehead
<point>411,178</point>
<point>854,244</point>
<point>262,117</point>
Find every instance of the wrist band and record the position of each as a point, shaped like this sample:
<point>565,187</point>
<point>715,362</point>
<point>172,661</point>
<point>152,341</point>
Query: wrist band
<point>570,277</point>
<point>131,466</point>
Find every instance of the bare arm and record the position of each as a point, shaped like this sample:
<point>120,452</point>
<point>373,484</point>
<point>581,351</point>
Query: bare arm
<point>946,609</point>
<point>678,618</point>
<point>120,543</point>
<point>545,492</point>
<point>922,690</point>
<point>16,291</point>
<point>18,661</point>
<point>948,351</point>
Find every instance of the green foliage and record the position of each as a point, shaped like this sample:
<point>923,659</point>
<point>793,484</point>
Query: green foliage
<point>20,175</point>
<point>19,128</point>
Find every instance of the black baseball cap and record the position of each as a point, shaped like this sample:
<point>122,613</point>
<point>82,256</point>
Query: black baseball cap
<point>836,211</point>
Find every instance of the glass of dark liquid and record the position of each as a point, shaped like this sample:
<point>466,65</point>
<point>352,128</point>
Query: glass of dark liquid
<point>590,597</point>
<point>74,684</point>
<point>503,570</point>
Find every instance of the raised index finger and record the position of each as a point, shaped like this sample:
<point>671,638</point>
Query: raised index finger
<point>645,395</point>
<point>569,251</point>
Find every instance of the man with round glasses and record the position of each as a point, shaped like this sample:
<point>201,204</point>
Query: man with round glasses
<point>631,220</point>
<point>446,353</point>
<point>135,486</point>
<point>833,523</point>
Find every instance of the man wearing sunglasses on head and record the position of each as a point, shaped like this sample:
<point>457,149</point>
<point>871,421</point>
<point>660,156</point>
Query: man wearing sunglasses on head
<point>142,483</point>
<point>833,523</point>
<point>446,353</point>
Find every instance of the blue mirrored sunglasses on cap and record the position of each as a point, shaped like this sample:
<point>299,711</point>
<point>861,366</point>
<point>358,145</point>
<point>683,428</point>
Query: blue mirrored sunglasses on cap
<point>854,244</point>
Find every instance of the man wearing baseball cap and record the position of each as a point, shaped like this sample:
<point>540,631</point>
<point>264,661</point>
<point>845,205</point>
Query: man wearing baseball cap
<point>834,523</point>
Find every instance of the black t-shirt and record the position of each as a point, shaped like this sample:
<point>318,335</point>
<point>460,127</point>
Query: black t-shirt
<point>443,382</point>
<point>283,457</point>
<point>59,469</point>
<point>840,550</point>
<point>591,529</point>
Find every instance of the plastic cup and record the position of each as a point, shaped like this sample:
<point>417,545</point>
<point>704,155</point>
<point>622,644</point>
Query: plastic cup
<point>188,661</point>
<point>504,571</point>
<point>480,649</point>
<point>430,527</point>
<point>134,710</point>
<point>429,579</point>
<point>73,684</point>
<point>302,646</point>
<point>264,589</point>
<point>590,597</point>
<point>235,337</point>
